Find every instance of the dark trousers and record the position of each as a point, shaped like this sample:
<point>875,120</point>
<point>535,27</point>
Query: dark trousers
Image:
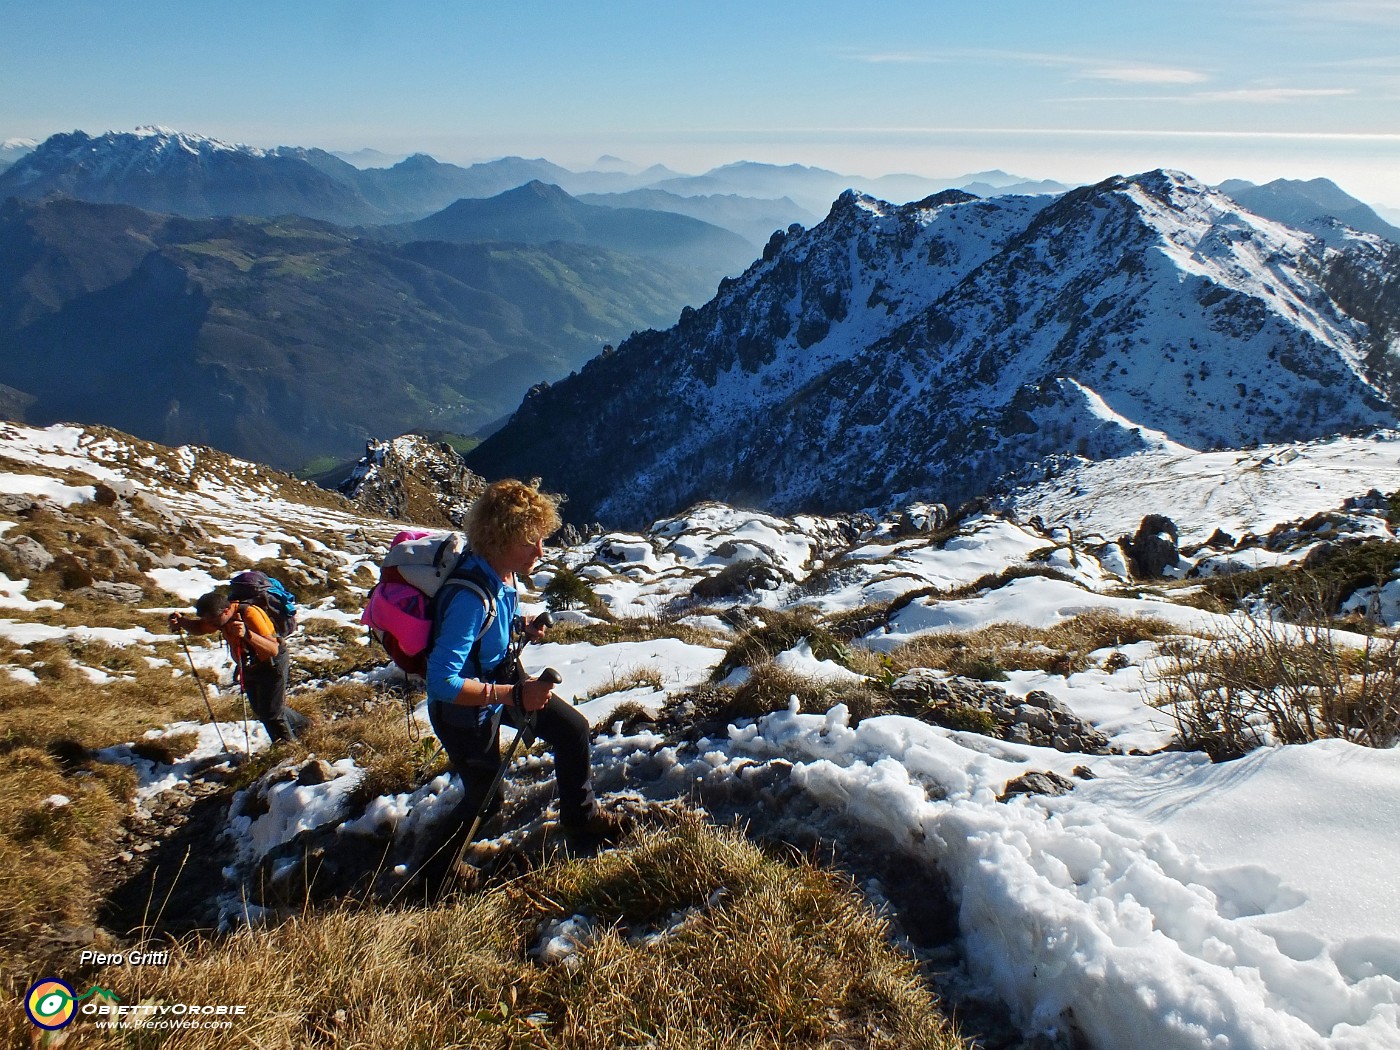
<point>471,738</point>
<point>265,685</point>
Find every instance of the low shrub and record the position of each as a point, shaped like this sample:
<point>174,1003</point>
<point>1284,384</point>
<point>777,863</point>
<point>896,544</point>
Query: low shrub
<point>1281,682</point>
<point>566,589</point>
<point>778,632</point>
<point>1316,589</point>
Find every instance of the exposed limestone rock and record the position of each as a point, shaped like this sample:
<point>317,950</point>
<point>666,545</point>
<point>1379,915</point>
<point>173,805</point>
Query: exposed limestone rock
<point>961,703</point>
<point>18,504</point>
<point>921,518</point>
<point>317,771</point>
<point>27,554</point>
<point>1037,783</point>
<point>127,593</point>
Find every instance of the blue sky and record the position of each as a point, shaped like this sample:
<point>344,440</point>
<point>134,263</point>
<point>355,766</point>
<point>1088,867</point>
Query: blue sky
<point>1254,89</point>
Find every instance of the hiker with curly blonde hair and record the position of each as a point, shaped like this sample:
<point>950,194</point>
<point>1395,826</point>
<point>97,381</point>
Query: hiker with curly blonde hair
<point>471,691</point>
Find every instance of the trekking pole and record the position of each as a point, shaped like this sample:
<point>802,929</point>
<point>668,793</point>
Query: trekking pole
<point>525,734</point>
<point>519,639</point>
<point>243,692</point>
<point>202,692</point>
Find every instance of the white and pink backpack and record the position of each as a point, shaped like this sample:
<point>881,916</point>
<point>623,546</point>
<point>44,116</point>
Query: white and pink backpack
<point>404,608</point>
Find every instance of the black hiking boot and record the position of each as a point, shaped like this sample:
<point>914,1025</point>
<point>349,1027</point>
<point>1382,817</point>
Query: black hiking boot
<point>594,832</point>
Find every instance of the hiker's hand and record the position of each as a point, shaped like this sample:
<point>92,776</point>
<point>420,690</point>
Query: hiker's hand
<point>536,628</point>
<point>534,693</point>
<point>177,622</point>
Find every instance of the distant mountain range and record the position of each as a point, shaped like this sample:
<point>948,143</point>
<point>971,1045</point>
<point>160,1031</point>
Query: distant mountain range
<point>159,169</point>
<point>536,213</point>
<point>284,340</point>
<point>923,347</point>
<point>815,188</point>
<point>1318,206</point>
<point>752,218</point>
<point>930,348</point>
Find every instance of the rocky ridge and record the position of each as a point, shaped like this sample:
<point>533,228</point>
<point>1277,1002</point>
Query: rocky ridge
<point>927,349</point>
<point>412,479</point>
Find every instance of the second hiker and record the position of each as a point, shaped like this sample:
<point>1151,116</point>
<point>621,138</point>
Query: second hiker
<point>261,657</point>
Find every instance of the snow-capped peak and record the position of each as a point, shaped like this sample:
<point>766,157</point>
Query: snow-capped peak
<point>169,138</point>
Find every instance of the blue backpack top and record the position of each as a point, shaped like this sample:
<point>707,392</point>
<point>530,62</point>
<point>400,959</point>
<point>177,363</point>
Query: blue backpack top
<point>258,588</point>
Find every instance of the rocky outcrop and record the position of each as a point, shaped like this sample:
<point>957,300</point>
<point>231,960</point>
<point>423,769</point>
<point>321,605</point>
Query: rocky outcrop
<point>413,480</point>
<point>1037,783</point>
<point>919,519</point>
<point>960,703</point>
<point>1152,549</point>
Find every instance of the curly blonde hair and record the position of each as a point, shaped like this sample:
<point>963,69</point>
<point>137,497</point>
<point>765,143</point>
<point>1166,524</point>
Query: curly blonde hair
<point>510,512</point>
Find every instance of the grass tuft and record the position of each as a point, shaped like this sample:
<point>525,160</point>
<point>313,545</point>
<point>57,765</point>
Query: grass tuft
<point>777,632</point>
<point>1295,685</point>
<point>1063,649</point>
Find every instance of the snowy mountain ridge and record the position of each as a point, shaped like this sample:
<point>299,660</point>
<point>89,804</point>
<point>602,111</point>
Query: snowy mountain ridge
<point>115,155</point>
<point>923,350</point>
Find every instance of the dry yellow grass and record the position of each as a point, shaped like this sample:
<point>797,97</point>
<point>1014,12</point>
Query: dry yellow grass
<point>1292,685</point>
<point>1062,649</point>
<point>53,857</point>
<point>772,955</point>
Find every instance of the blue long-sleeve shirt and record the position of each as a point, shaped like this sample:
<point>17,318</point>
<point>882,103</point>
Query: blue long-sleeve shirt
<point>449,661</point>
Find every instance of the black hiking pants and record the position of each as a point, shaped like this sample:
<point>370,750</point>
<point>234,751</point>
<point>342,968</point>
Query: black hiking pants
<point>265,685</point>
<point>471,738</point>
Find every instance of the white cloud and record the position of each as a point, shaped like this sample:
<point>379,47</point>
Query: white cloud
<point>1089,68</point>
<point>992,55</point>
<point>1244,96</point>
<point>1146,75</point>
<point>901,57</point>
<point>1267,95</point>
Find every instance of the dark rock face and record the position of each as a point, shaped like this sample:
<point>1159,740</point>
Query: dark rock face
<point>1152,549</point>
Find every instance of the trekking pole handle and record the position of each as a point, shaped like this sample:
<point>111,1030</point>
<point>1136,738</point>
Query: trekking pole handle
<point>552,676</point>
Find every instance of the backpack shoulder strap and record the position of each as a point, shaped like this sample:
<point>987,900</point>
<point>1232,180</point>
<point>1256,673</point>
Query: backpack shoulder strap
<point>473,580</point>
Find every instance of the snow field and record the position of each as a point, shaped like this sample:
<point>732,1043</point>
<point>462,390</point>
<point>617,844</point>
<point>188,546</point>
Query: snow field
<point>1166,902</point>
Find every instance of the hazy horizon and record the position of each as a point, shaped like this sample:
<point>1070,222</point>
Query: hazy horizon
<point>1257,90</point>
